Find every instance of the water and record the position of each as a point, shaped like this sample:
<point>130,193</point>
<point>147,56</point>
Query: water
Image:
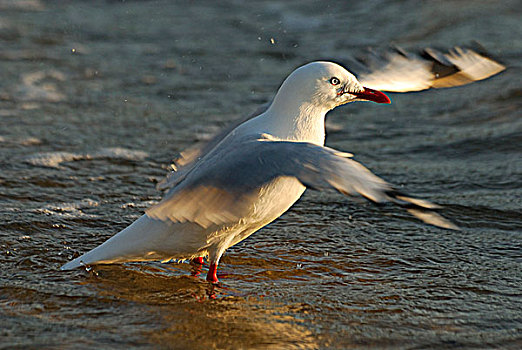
<point>96,99</point>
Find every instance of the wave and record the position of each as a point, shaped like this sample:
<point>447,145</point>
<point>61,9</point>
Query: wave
<point>55,159</point>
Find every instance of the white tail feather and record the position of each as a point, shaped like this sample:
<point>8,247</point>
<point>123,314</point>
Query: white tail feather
<point>145,239</point>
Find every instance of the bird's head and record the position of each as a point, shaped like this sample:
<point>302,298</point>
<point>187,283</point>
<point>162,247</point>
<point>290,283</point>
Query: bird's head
<point>326,85</point>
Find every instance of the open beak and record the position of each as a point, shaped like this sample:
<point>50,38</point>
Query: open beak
<point>372,95</point>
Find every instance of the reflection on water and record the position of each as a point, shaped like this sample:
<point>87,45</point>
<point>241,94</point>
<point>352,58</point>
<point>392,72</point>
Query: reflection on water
<point>191,313</point>
<point>96,99</point>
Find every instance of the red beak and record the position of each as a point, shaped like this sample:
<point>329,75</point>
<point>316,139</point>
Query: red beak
<point>372,95</point>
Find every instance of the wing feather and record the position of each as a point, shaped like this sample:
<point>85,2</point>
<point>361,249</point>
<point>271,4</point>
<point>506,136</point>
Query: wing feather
<point>399,71</point>
<point>226,184</point>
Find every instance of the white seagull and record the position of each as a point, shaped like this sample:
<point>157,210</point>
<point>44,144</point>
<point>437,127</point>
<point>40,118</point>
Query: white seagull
<point>252,173</point>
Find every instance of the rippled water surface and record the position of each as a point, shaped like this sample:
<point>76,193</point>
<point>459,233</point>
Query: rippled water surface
<point>97,97</point>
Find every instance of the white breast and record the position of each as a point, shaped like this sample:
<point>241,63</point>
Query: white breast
<point>274,199</point>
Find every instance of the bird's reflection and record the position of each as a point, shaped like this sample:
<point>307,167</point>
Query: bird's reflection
<point>194,313</point>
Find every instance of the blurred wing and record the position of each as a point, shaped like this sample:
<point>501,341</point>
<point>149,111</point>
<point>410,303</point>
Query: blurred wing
<point>224,186</point>
<point>399,71</point>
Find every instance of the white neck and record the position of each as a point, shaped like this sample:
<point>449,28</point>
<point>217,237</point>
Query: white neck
<point>302,122</point>
<point>290,119</point>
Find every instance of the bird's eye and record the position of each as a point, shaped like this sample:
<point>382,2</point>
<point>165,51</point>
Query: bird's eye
<point>335,81</point>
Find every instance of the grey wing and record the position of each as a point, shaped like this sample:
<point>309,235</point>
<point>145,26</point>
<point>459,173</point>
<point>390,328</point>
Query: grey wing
<point>399,71</point>
<point>187,159</point>
<point>223,186</point>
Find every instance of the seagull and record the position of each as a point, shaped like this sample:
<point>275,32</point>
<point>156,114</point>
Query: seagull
<point>253,172</point>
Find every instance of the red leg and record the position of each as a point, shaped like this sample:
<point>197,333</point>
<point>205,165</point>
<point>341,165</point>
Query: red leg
<point>212,273</point>
<point>199,260</point>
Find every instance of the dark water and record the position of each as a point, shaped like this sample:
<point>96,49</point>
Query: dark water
<point>97,97</point>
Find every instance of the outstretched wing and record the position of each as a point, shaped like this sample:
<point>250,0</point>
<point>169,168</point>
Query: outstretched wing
<point>399,71</point>
<point>223,187</point>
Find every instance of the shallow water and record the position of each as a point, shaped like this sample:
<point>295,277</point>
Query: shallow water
<point>96,99</point>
